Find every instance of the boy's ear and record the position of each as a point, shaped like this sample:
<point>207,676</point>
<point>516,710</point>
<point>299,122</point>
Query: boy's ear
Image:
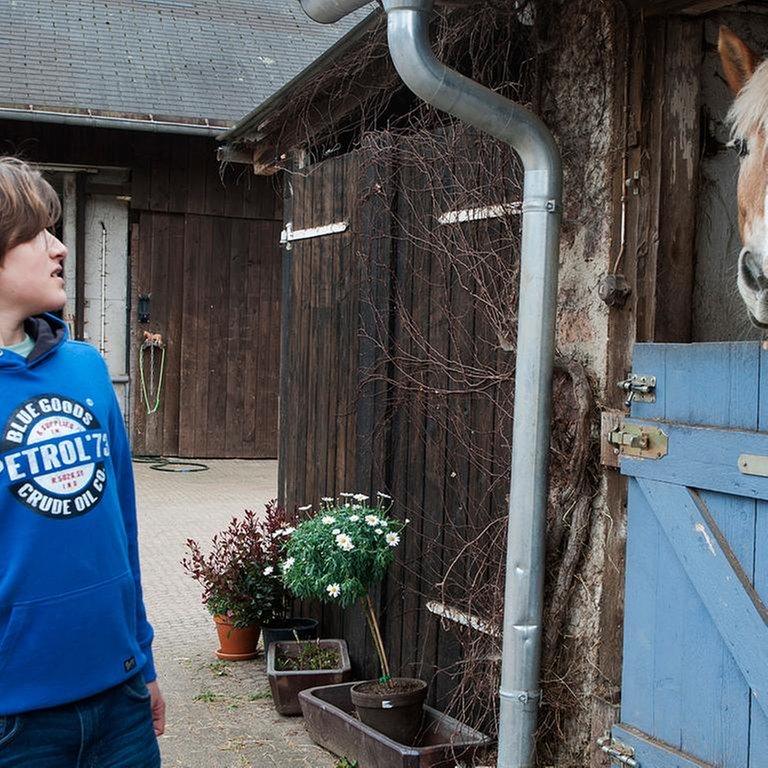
<point>738,59</point>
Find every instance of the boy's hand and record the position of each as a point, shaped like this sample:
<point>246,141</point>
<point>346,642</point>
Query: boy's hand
<point>158,707</point>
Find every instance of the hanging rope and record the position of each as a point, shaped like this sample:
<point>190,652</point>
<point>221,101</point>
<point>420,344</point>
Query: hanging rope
<point>152,342</point>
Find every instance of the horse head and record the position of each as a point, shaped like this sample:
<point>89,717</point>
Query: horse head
<point>747,77</point>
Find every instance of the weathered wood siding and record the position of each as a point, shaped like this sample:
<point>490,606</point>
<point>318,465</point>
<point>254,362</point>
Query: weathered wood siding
<point>344,428</point>
<point>206,247</point>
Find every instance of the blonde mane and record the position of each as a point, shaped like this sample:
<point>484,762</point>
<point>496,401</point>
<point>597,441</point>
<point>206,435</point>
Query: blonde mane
<point>749,112</point>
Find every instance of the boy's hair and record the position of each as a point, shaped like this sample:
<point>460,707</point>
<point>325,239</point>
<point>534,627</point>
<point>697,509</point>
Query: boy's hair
<point>28,204</point>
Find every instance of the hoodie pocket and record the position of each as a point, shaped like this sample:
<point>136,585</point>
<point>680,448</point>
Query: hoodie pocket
<point>69,646</point>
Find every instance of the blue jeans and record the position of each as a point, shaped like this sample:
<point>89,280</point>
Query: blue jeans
<point>110,730</point>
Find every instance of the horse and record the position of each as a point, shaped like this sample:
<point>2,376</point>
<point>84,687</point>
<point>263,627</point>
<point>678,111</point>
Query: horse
<point>747,77</point>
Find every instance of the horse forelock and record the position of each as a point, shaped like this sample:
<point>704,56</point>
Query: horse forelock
<point>749,111</point>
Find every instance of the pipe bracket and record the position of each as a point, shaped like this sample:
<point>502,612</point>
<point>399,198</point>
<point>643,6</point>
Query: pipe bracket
<point>521,697</point>
<point>545,206</point>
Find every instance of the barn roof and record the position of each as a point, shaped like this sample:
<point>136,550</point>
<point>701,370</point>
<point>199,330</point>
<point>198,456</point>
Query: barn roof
<point>154,61</point>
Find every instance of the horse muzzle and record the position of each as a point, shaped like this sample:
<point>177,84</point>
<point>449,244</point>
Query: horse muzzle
<point>753,286</point>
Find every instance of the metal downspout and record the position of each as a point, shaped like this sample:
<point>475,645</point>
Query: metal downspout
<point>408,33</point>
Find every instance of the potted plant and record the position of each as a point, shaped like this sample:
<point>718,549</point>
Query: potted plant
<point>278,526</point>
<point>338,555</point>
<point>239,588</point>
<point>294,666</point>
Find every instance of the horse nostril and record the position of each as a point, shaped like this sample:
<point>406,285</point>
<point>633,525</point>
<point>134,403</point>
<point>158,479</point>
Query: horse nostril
<point>752,271</point>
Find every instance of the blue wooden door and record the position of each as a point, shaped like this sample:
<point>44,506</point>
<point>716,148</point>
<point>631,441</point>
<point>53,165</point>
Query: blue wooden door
<point>695,675</point>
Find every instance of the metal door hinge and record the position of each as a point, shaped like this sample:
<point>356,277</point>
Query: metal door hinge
<point>639,441</point>
<point>639,387</point>
<point>618,751</point>
<point>289,234</point>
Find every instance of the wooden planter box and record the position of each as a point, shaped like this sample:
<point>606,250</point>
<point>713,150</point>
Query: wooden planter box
<point>286,685</point>
<point>331,722</point>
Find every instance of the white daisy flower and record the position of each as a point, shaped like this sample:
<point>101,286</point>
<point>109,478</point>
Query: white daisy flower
<point>343,540</point>
<point>361,497</point>
<point>305,508</point>
<point>348,547</point>
<point>382,495</point>
<point>355,506</point>
<point>392,539</point>
<point>334,590</point>
<point>407,520</point>
<point>268,570</point>
<point>288,563</point>
<point>371,520</point>
<point>345,495</point>
<point>327,499</point>
<point>354,518</point>
<point>328,520</point>
<point>379,531</point>
<point>384,523</point>
<point>336,531</point>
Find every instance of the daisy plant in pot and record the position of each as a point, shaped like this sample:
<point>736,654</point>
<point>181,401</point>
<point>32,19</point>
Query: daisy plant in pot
<point>337,556</point>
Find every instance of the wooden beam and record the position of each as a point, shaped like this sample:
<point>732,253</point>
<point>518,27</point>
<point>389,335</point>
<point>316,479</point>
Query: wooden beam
<point>678,163</point>
<point>661,7</point>
<point>629,69</point>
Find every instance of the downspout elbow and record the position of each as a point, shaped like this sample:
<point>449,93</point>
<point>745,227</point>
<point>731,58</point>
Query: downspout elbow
<point>446,89</point>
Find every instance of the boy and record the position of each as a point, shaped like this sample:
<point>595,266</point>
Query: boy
<point>75,644</point>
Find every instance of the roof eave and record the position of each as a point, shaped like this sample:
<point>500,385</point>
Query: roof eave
<point>99,120</point>
<point>247,128</point>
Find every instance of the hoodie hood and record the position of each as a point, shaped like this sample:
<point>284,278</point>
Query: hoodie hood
<point>48,332</point>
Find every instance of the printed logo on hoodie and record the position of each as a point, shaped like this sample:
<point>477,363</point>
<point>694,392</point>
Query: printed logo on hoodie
<point>52,452</point>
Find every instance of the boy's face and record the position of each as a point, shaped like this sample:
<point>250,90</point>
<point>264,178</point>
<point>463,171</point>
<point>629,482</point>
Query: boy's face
<point>31,276</point>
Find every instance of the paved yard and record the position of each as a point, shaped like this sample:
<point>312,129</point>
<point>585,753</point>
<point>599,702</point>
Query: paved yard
<point>220,714</point>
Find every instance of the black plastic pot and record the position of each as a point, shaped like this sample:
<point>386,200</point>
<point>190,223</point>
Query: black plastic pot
<point>286,684</point>
<point>395,713</point>
<point>282,631</point>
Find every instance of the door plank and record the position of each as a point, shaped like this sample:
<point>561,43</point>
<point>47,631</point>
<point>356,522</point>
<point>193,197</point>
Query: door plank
<point>758,733</point>
<point>735,608</point>
<point>703,458</point>
<point>652,753</point>
<point>715,701</point>
<point>638,680</point>
<point>711,384</point>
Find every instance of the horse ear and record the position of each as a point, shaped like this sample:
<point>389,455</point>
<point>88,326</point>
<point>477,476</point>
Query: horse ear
<point>739,60</point>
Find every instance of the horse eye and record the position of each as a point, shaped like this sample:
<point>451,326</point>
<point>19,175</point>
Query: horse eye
<point>740,145</point>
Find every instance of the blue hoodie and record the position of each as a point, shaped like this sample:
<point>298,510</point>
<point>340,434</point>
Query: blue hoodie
<point>72,618</point>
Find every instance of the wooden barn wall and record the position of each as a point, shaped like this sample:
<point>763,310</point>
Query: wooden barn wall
<point>206,248</point>
<point>656,109</point>
<point>343,429</point>
<point>663,147</point>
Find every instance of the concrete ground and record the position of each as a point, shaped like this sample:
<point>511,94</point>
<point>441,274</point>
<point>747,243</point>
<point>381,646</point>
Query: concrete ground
<point>220,714</point>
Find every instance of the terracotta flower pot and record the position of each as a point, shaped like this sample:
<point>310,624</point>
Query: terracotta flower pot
<point>396,710</point>
<point>236,644</point>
